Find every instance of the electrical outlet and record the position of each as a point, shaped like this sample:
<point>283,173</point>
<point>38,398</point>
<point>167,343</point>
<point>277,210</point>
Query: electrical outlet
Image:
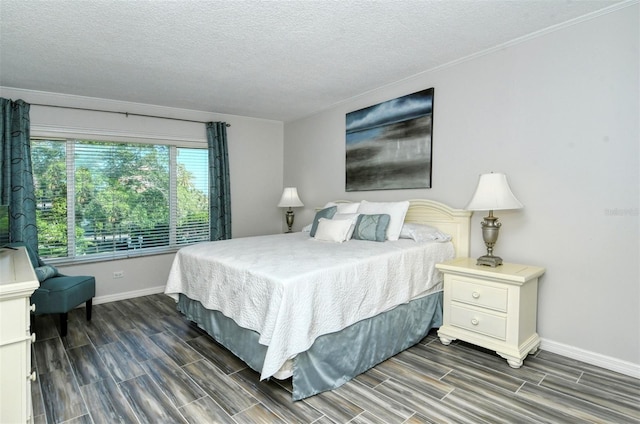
<point>118,274</point>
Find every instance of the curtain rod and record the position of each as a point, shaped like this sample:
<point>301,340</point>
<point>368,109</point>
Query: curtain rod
<point>127,114</point>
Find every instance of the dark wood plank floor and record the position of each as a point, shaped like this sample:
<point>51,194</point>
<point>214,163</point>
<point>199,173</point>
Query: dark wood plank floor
<point>140,361</point>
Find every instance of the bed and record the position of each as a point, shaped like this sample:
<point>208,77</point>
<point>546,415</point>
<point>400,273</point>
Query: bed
<point>292,305</point>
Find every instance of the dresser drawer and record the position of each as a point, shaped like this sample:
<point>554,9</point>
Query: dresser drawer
<point>479,295</point>
<point>479,322</point>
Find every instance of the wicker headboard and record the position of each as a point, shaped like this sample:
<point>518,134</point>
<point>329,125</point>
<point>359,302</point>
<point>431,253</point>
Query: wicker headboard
<point>456,222</point>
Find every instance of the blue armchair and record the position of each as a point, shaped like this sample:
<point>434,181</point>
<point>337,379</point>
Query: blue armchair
<point>58,294</point>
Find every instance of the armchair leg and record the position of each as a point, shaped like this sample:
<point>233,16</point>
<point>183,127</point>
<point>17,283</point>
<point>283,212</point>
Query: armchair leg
<point>63,324</point>
<point>89,303</point>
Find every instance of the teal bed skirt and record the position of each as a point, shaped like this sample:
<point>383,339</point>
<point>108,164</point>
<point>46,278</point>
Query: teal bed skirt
<point>334,358</point>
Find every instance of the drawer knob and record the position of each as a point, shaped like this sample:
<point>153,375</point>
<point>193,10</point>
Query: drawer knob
<point>32,376</point>
<point>33,337</point>
<point>475,295</point>
<point>32,308</point>
<point>474,321</point>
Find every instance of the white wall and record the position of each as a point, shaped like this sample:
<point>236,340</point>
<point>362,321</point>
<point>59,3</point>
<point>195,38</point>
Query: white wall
<point>558,113</point>
<point>256,182</point>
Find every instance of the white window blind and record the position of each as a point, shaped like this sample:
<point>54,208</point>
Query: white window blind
<point>192,206</point>
<point>50,179</point>
<point>99,198</point>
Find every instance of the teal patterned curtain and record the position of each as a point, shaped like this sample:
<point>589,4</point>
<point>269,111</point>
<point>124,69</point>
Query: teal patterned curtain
<point>16,179</point>
<point>219,188</point>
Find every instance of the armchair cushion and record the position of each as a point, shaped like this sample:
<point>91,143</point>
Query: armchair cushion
<point>62,293</point>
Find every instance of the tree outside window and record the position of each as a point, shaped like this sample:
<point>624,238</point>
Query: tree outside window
<point>124,197</point>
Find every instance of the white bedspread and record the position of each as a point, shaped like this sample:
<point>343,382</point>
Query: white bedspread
<point>291,288</point>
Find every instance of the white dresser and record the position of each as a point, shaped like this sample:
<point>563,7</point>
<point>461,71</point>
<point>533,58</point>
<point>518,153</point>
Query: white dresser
<point>17,283</point>
<point>495,308</point>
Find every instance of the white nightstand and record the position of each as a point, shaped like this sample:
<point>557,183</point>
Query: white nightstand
<point>491,307</point>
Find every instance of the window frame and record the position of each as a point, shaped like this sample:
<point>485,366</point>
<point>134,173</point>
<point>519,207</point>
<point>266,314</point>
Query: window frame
<point>172,247</point>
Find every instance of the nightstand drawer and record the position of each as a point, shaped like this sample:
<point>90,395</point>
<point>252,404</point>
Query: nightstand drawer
<point>479,295</point>
<point>479,322</point>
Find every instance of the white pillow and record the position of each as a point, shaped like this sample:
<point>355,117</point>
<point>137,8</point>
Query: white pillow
<point>353,217</point>
<point>333,230</point>
<point>344,207</point>
<point>423,232</point>
<point>396,211</point>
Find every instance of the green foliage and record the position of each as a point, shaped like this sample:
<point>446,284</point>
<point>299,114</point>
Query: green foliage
<point>122,197</point>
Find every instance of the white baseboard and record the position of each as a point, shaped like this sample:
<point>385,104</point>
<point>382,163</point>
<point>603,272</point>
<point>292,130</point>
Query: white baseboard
<point>128,295</point>
<point>613,364</point>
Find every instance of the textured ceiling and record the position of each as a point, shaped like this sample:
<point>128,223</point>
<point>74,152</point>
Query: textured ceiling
<point>277,60</point>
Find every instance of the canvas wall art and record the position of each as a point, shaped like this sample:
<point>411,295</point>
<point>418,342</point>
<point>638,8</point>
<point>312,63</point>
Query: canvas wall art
<point>389,145</point>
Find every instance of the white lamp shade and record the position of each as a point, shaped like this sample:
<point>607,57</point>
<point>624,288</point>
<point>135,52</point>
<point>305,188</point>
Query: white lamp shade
<point>290,198</point>
<point>493,193</point>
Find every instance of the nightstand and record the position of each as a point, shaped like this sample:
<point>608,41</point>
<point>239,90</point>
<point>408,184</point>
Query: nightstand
<point>491,307</point>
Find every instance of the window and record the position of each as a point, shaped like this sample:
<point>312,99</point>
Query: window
<point>99,198</point>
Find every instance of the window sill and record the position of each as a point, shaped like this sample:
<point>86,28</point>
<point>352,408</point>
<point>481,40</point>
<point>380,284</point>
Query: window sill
<point>106,257</point>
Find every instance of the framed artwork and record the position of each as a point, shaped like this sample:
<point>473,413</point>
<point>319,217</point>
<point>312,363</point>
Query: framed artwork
<point>389,145</point>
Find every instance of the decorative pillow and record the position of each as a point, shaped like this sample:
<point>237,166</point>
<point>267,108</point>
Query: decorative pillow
<point>353,217</point>
<point>324,213</point>
<point>45,272</point>
<point>371,227</point>
<point>351,207</point>
<point>423,232</point>
<point>396,211</point>
<point>333,230</point>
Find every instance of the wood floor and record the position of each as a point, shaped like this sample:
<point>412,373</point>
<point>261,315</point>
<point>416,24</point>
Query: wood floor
<point>139,360</point>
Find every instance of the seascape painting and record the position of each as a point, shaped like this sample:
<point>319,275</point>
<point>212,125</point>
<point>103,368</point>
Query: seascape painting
<point>388,145</point>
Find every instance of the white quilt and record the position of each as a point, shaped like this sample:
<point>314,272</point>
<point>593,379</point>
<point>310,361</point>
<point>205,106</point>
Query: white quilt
<point>291,288</point>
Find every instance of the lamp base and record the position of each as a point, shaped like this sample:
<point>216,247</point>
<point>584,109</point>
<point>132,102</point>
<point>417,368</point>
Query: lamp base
<point>490,231</point>
<point>489,260</point>
<point>289,216</point>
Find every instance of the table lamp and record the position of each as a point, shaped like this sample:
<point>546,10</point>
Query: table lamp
<point>493,193</point>
<point>290,200</point>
